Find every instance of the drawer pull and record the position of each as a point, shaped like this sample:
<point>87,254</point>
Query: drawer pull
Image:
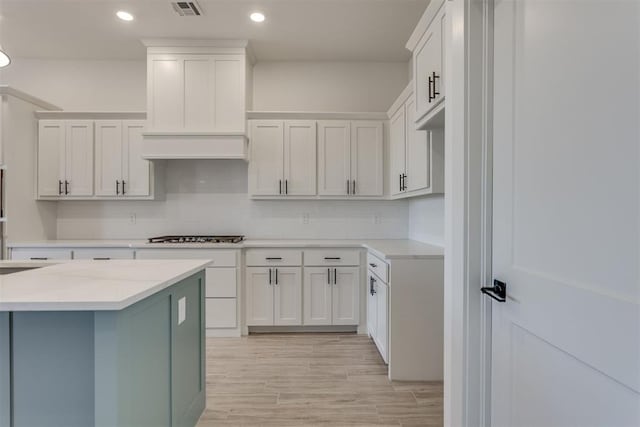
<point>332,258</point>
<point>38,258</point>
<point>101,259</point>
<point>373,265</point>
<point>274,258</point>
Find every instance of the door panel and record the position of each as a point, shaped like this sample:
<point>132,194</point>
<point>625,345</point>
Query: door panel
<point>382,319</point>
<point>266,171</point>
<point>79,157</point>
<point>317,295</point>
<point>346,296</point>
<point>418,150</point>
<point>300,158</point>
<point>230,92</point>
<point>259,301</point>
<point>566,344</point>
<point>334,157</point>
<point>372,308</point>
<point>108,134</point>
<point>397,145</point>
<point>51,158</point>
<point>366,158</point>
<point>199,75</point>
<point>136,171</point>
<point>166,96</point>
<point>288,296</point>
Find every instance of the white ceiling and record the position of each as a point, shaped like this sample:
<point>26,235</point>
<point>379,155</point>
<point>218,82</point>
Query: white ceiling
<point>324,30</point>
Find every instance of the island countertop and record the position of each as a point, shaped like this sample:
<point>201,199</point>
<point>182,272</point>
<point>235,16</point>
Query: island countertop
<point>92,285</point>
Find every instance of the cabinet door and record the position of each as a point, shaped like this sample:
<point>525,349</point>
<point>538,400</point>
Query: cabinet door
<point>266,170</point>
<point>382,318</point>
<point>418,153</point>
<point>165,92</point>
<point>334,158</point>
<point>346,296</point>
<point>259,297</point>
<point>317,295</point>
<point>79,157</point>
<point>300,158</point>
<point>229,92</point>
<point>108,138</point>
<point>397,144</point>
<point>372,305</point>
<point>51,147</point>
<point>428,60</point>
<point>199,92</point>
<point>136,171</point>
<point>367,146</point>
<point>288,295</point>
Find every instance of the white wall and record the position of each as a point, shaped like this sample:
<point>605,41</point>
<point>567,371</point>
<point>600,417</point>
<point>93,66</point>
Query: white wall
<point>426,219</point>
<point>328,86</point>
<point>210,196</point>
<point>81,85</point>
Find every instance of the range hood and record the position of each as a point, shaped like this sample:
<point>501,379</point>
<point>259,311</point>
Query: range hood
<point>196,99</point>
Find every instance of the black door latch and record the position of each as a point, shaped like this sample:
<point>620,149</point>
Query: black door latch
<point>498,291</point>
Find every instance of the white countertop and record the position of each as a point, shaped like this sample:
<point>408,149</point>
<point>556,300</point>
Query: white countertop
<point>91,285</point>
<point>384,248</point>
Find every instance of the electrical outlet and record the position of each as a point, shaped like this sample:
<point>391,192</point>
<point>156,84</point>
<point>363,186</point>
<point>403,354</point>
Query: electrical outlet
<point>305,218</point>
<point>132,218</point>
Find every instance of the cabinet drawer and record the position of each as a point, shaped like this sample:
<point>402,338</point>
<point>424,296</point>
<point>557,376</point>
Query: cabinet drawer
<point>378,267</point>
<point>103,253</point>
<point>259,257</point>
<point>219,258</point>
<point>322,257</point>
<point>220,312</point>
<point>40,253</point>
<point>221,283</point>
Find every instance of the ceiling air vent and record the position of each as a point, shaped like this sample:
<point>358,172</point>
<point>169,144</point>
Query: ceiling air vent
<point>187,8</point>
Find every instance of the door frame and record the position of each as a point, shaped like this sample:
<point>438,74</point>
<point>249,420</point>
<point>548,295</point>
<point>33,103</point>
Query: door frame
<point>468,213</point>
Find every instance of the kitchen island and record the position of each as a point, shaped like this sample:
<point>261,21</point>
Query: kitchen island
<point>103,343</point>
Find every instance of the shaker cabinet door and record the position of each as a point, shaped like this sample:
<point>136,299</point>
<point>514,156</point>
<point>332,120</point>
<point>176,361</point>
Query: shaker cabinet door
<point>51,157</point>
<point>367,148</point>
<point>266,168</point>
<point>334,158</point>
<point>108,140</point>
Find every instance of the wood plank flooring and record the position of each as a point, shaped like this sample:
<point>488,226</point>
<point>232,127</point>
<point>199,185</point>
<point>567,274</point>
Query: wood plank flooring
<point>310,380</point>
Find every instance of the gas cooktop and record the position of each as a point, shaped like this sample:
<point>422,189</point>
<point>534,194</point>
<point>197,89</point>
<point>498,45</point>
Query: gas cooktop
<point>197,239</point>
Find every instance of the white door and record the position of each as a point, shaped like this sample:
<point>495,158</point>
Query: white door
<point>288,296</point>
<point>334,158</point>
<point>51,148</point>
<point>372,308</point>
<point>300,158</point>
<point>79,158</point>
<point>566,343</point>
<point>367,149</point>
<point>317,295</point>
<point>428,60</point>
<point>346,296</point>
<point>382,319</point>
<point>259,301</point>
<point>136,171</point>
<point>418,150</point>
<point>397,149</point>
<point>266,170</point>
<point>108,139</point>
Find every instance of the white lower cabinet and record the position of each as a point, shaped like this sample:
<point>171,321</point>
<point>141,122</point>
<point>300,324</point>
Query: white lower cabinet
<point>378,313</point>
<point>318,289</point>
<point>274,296</point>
<point>346,296</point>
<point>103,253</point>
<point>40,254</point>
<point>220,312</point>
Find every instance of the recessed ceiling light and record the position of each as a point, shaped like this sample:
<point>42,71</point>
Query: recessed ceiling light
<point>4,59</point>
<point>257,17</point>
<point>125,16</point>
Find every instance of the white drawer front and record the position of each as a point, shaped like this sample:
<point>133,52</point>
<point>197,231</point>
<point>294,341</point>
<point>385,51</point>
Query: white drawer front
<point>378,267</point>
<point>221,283</point>
<point>322,257</point>
<point>275,257</point>
<point>220,312</point>
<point>103,253</point>
<point>40,253</point>
<point>219,258</point>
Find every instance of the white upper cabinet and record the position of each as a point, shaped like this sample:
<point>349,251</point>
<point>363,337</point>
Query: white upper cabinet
<point>418,153</point>
<point>266,168</point>
<point>74,156</point>
<point>397,150</point>
<point>350,158</point>
<point>196,89</point>
<point>334,158</point>
<point>120,170</point>
<point>65,158</point>
<point>283,158</point>
<point>428,44</point>
<point>300,158</point>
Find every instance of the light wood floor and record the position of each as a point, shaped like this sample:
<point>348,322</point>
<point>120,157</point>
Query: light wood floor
<point>310,379</point>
